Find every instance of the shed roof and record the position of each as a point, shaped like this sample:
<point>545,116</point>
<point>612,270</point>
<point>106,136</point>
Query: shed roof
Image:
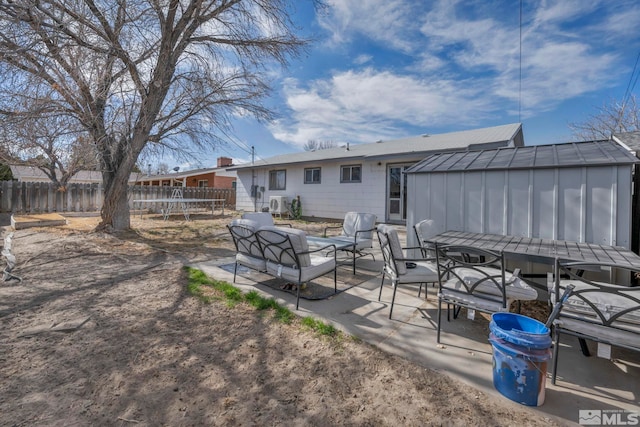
<point>419,145</point>
<point>572,154</point>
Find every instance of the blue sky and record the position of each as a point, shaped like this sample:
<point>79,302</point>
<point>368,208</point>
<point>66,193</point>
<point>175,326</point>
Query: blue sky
<point>387,69</point>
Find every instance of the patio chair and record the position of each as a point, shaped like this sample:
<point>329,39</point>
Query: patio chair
<point>248,252</point>
<point>264,219</point>
<point>357,228</point>
<point>400,268</point>
<point>476,279</point>
<point>289,258</point>
<point>424,230</point>
<point>604,306</point>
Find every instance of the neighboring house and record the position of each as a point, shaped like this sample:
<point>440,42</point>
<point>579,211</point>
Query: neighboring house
<point>33,174</point>
<point>210,177</point>
<point>363,177</point>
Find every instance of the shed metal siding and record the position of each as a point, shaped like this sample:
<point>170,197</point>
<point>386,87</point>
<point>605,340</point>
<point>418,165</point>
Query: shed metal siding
<point>584,204</point>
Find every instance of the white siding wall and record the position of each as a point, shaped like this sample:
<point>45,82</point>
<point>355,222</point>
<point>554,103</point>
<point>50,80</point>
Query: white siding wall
<point>587,204</point>
<point>330,198</point>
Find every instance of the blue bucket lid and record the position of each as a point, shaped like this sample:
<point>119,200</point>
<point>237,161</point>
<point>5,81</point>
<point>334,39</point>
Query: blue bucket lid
<point>520,330</point>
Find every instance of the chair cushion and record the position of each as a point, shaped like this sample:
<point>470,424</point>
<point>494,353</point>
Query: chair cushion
<point>477,302</point>
<point>423,272</point>
<point>609,304</point>
<point>425,229</point>
<point>245,222</point>
<point>516,289</point>
<point>246,229</point>
<point>252,262</point>
<point>629,335</point>
<point>264,219</point>
<point>394,246</point>
<point>299,243</point>
<point>318,266</point>
<point>355,221</point>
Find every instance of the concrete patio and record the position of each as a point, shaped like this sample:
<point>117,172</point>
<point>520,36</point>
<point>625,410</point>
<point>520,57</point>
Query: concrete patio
<point>583,383</point>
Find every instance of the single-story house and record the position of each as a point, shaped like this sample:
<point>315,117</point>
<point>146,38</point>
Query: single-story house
<point>363,177</point>
<point>217,177</point>
<point>33,174</point>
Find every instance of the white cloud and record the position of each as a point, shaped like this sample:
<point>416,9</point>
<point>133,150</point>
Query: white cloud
<point>368,105</point>
<point>362,59</point>
<point>381,20</point>
<point>462,65</point>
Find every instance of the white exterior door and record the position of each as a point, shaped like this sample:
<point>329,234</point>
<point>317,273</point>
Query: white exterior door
<point>396,193</point>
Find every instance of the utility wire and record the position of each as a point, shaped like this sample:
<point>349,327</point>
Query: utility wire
<point>520,78</point>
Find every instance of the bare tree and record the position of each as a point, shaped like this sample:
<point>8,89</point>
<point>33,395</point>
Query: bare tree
<point>313,145</point>
<point>49,142</point>
<point>163,168</point>
<point>615,117</point>
<point>169,73</point>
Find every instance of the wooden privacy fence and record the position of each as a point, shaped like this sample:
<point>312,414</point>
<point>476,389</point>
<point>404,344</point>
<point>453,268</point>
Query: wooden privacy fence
<point>42,197</point>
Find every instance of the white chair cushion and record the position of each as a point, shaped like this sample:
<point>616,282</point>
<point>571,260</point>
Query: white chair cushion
<point>394,245</point>
<point>248,223</point>
<point>264,219</point>
<point>425,229</point>
<point>252,262</point>
<point>516,289</point>
<point>607,303</point>
<point>448,295</point>
<point>318,266</point>
<point>298,241</point>
<point>424,272</point>
<point>246,229</point>
<point>630,336</point>
<point>355,221</point>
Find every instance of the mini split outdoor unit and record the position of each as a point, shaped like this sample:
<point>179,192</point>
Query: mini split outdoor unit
<point>276,204</point>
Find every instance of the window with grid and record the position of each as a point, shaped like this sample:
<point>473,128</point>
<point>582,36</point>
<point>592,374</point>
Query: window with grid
<point>278,180</point>
<point>312,176</point>
<point>351,173</point>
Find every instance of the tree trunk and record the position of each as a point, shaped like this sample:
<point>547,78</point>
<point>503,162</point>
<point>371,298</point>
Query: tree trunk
<point>115,209</point>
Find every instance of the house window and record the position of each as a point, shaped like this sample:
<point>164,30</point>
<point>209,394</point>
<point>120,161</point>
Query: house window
<point>351,173</point>
<point>312,176</point>
<point>278,180</point>
<point>203,183</point>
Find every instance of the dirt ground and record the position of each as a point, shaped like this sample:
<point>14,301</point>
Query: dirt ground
<point>101,331</point>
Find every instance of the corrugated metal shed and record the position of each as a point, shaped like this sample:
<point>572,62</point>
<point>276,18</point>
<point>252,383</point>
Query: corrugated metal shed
<point>422,144</point>
<point>602,153</point>
<point>575,191</point>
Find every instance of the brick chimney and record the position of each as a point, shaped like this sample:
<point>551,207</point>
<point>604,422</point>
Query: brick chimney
<point>224,161</point>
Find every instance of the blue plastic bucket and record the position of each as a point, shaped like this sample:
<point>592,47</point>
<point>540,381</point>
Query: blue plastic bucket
<point>521,350</point>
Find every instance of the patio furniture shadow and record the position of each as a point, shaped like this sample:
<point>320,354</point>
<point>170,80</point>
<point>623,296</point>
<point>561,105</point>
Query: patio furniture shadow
<point>317,289</point>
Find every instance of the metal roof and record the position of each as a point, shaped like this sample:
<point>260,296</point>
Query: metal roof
<point>573,154</point>
<point>419,145</point>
